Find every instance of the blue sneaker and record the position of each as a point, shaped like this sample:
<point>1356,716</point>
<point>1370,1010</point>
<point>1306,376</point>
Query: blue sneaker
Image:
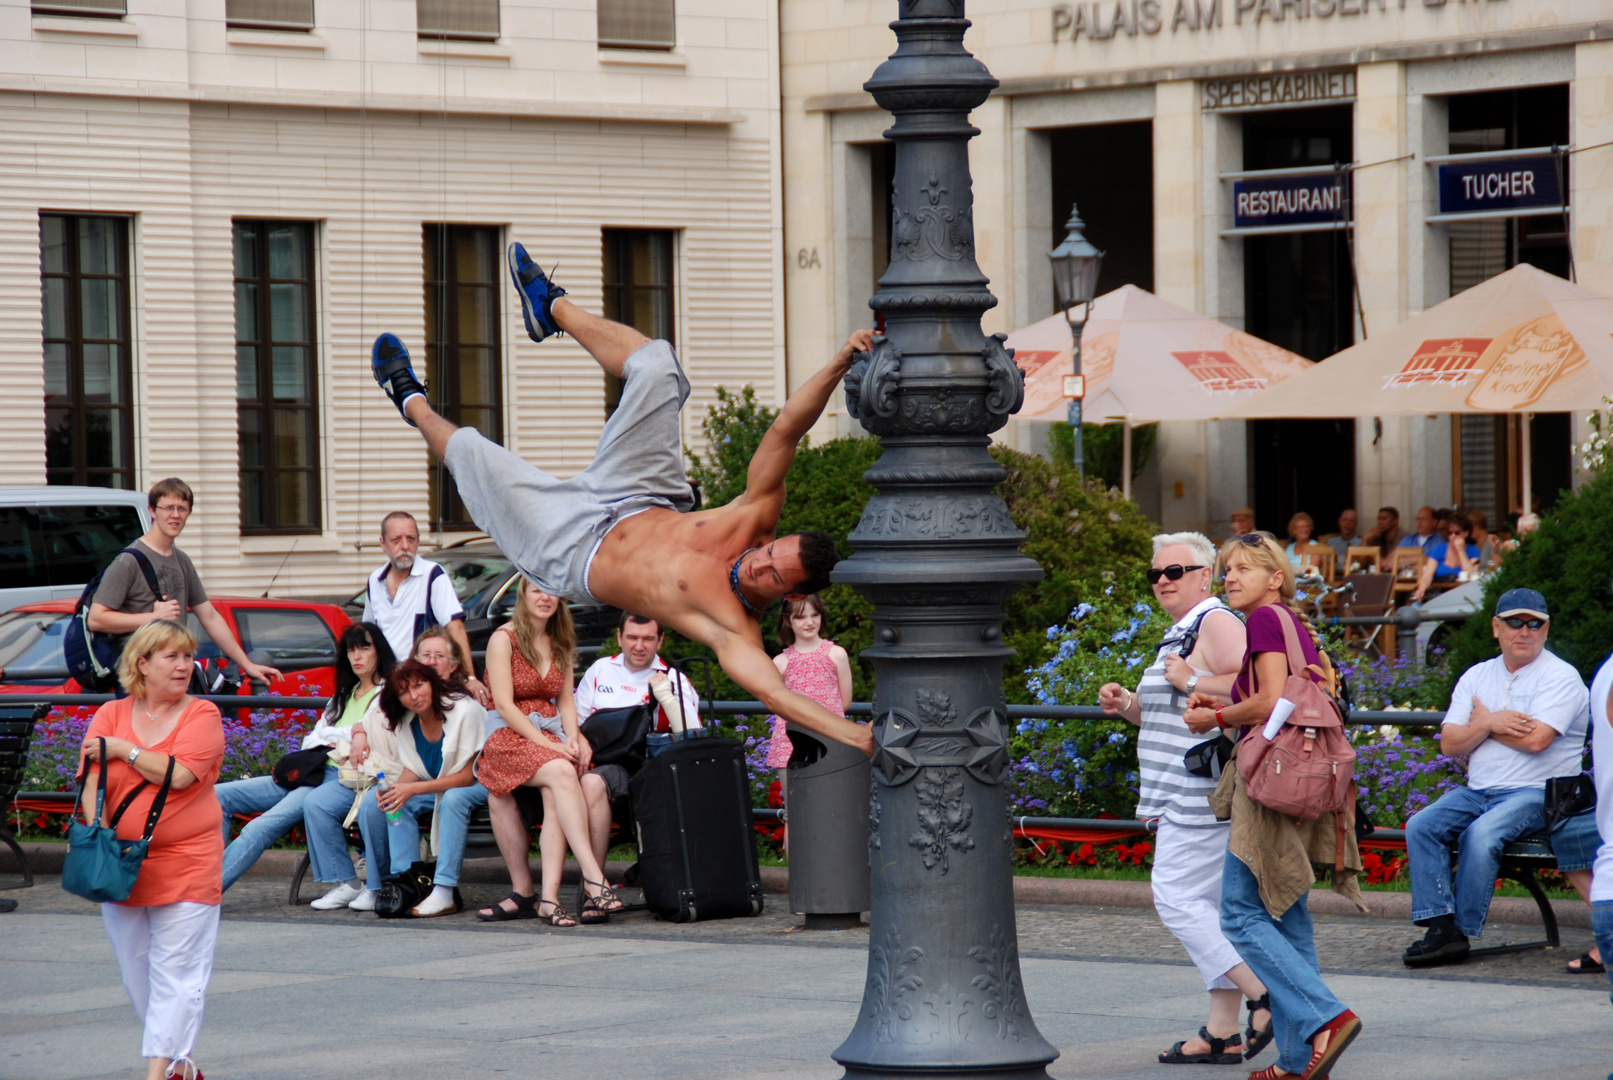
<point>537,292</point>
<point>389,360</point>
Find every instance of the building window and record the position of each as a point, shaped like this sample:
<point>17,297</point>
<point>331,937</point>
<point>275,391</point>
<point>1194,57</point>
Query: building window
<point>269,14</point>
<point>638,289</point>
<point>462,346</point>
<point>275,376</point>
<point>101,9</point>
<point>462,20</point>
<point>636,24</point>
<point>89,421</point>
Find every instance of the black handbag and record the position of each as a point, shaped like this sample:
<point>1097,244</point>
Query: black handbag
<point>302,768</point>
<point>1568,796</point>
<point>619,736</point>
<point>1209,757</point>
<point>400,894</point>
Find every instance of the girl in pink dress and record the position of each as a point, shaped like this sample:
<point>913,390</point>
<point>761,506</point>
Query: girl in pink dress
<point>810,665</point>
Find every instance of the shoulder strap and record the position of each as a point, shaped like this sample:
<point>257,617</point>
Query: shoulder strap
<point>1296,655</point>
<point>431,579</point>
<point>161,800</point>
<point>146,569</point>
<point>100,790</point>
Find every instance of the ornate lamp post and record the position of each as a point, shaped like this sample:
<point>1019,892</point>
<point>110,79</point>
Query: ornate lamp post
<point>1075,280</point>
<point>937,554</point>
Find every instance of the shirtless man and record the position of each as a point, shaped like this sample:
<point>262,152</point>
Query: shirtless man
<point>621,532</point>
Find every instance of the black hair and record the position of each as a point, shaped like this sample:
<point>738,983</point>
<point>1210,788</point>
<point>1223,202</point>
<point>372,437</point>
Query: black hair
<point>818,558</point>
<point>359,634</point>
<point>635,617</point>
<point>405,675</point>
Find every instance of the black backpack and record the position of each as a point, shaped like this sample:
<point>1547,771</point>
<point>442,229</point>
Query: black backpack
<point>92,658</point>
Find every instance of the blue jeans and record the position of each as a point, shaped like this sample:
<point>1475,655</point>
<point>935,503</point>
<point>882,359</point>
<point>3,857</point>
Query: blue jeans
<point>1602,925</point>
<point>1575,842</point>
<point>279,811</point>
<point>323,812</point>
<point>390,847</point>
<point>453,822</point>
<point>1282,952</point>
<point>1480,823</point>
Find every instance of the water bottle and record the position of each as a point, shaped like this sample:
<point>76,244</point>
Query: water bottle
<point>382,786</point>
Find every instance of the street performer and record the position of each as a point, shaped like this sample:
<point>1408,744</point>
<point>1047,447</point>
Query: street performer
<point>623,531</point>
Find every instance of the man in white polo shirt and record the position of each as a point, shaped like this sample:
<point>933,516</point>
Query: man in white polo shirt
<point>1520,719</point>
<point>631,677</point>
<point>410,594</point>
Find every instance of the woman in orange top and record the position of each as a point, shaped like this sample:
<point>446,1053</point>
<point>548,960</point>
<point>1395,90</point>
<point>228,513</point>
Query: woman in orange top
<point>164,934</point>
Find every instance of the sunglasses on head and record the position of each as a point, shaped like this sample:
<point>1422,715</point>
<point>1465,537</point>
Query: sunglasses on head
<point>1518,622</point>
<point>1173,571</point>
<point>1254,539</point>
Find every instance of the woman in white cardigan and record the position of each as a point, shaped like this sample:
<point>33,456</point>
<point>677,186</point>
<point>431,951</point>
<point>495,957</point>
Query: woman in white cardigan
<point>426,741</point>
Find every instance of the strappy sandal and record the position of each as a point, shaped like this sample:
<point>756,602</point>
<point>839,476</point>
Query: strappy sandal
<point>557,915</point>
<point>1221,1051</point>
<point>1254,1040</point>
<point>1344,1028</point>
<point>1273,1072</point>
<point>597,909</point>
<point>524,909</point>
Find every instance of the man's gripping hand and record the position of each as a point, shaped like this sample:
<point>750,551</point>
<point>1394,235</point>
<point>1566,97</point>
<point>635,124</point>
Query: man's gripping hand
<point>859,341</point>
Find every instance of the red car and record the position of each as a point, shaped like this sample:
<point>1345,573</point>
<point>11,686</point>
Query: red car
<point>297,636</point>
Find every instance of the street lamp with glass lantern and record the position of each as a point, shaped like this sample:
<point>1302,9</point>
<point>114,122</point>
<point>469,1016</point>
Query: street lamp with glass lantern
<point>1075,280</point>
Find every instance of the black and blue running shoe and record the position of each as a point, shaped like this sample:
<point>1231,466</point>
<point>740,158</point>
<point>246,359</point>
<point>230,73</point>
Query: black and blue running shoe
<point>389,360</point>
<point>537,292</point>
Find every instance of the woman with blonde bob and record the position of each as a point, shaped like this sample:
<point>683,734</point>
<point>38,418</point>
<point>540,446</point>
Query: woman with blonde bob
<point>164,934</point>
<point>1268,871</point>
<point>529,664</point>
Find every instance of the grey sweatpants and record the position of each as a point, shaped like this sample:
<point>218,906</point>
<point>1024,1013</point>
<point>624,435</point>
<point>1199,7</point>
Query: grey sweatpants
<point>549,528</point>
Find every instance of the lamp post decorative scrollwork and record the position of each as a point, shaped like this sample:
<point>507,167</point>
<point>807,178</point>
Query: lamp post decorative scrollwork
<point>937,554</point>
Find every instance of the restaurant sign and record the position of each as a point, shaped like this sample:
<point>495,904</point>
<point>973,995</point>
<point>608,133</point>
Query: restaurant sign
<point>1499,184</point>
<point>1263,202</point>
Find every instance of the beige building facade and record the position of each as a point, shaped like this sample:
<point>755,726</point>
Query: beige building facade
<point>210,208</point>
<point>1153,117</point>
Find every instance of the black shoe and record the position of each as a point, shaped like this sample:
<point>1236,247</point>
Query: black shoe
<point>1443,944</point>
<point>8,904</point>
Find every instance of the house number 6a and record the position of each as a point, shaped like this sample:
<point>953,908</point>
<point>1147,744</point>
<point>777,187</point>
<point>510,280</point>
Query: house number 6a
<point>807,259</point>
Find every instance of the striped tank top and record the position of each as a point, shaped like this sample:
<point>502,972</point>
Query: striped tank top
<point>1165,789</point>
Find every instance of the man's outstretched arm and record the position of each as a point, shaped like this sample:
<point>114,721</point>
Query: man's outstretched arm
<point>751,668</point>
<point>765,479</point>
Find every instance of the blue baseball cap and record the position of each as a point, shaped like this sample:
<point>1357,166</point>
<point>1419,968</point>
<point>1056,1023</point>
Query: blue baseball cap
<point>1521,602</point>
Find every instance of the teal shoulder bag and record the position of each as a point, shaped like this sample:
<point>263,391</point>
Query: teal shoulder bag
<point>99,866</point>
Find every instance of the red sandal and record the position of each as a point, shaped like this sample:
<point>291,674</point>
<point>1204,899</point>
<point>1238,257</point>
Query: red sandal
<point>1345,1027</point>
<point>1271,1072</point>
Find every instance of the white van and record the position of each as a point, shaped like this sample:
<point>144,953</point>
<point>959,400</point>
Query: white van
<point>54,539</point>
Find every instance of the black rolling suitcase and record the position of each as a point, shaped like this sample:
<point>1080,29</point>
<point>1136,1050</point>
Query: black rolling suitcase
<point>696,842</point>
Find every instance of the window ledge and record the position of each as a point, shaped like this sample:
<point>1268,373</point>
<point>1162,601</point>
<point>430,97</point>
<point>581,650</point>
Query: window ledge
<point>102,27</point>
<point>642,58</point>
<point>297,543</point>
<point>474,49</point>
<point>275,39</point>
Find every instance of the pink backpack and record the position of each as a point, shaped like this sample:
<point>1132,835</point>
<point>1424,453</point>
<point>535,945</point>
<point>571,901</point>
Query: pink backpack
<point>1309,768</point>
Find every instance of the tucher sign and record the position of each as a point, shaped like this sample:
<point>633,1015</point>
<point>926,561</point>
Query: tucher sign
<point>1287,200</point>
<point>1521,183</point>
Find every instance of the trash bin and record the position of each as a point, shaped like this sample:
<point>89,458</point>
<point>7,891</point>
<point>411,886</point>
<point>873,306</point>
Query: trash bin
<point>826,798</point>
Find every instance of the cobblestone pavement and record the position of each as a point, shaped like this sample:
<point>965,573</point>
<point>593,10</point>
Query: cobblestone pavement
<point>1345,945</point>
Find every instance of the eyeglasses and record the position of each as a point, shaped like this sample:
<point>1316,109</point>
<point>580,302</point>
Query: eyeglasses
<point>1254,539</point>
<point>1173,571</point>
<point>175,508</point>
<point>1518,622</point>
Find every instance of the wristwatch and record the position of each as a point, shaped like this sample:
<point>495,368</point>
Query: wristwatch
<point>134,753</point>
<point>1192,681</point>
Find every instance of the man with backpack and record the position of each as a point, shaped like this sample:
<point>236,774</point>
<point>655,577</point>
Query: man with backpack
<point>153,579</point>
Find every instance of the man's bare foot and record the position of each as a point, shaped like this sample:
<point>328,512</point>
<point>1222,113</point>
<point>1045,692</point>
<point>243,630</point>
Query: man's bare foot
<point>1589,964</point>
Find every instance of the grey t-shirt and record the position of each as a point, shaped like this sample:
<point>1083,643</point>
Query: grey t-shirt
<point>123,587</point>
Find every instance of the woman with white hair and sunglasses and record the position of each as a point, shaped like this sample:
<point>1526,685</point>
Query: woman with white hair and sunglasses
<point>1201,652</point>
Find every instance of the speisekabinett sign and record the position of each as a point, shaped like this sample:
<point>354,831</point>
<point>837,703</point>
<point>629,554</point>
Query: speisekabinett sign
<point>1260,202</point>
<point>1499,184</point>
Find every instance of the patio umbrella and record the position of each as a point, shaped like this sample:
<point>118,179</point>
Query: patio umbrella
<point>1524,341</point>
<point>1146,359</point>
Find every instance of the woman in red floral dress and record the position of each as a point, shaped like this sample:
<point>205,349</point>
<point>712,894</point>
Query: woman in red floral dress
<point>529,665</point>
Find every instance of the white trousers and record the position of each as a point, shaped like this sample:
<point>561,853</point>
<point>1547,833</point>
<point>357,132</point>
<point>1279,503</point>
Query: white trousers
<point>1187,894</point>
<point>165,954</point>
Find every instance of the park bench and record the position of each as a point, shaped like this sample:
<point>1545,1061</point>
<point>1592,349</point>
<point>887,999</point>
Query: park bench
<point>17,724</point>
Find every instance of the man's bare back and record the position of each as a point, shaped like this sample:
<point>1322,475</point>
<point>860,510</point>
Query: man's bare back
<point>676,567</point>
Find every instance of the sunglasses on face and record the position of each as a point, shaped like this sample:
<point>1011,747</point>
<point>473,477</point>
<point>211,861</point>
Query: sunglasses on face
<point>1173,571</point>
<point>1517,622</point>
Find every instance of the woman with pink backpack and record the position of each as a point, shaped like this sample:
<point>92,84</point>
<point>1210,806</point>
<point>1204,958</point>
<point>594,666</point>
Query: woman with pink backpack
<point>1268,872</point>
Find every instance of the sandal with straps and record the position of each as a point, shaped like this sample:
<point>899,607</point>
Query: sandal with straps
<point>1221,1052</point>
<point>556,916</point>
<point>597,909</point>
<point>524,909</point>
<point>1255,1041</point>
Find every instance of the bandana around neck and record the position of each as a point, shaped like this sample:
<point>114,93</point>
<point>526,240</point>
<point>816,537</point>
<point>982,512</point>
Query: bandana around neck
<point>733,583</point>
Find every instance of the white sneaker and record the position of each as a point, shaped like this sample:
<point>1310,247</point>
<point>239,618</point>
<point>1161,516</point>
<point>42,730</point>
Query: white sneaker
<point>364,901</point>
<point>435,905</point>
<point>339,897</point>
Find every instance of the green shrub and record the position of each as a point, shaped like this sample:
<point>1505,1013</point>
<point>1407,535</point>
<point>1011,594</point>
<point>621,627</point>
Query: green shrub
<point>1569,561</point>
<point>1103,449</point>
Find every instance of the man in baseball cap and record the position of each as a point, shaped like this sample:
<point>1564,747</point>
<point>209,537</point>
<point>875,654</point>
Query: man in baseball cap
<point>1520,719</point>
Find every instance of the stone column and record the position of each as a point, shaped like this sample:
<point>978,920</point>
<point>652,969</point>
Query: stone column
<point>937,553</point>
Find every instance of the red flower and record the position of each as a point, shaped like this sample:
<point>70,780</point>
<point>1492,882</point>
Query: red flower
<point>775,793</point>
